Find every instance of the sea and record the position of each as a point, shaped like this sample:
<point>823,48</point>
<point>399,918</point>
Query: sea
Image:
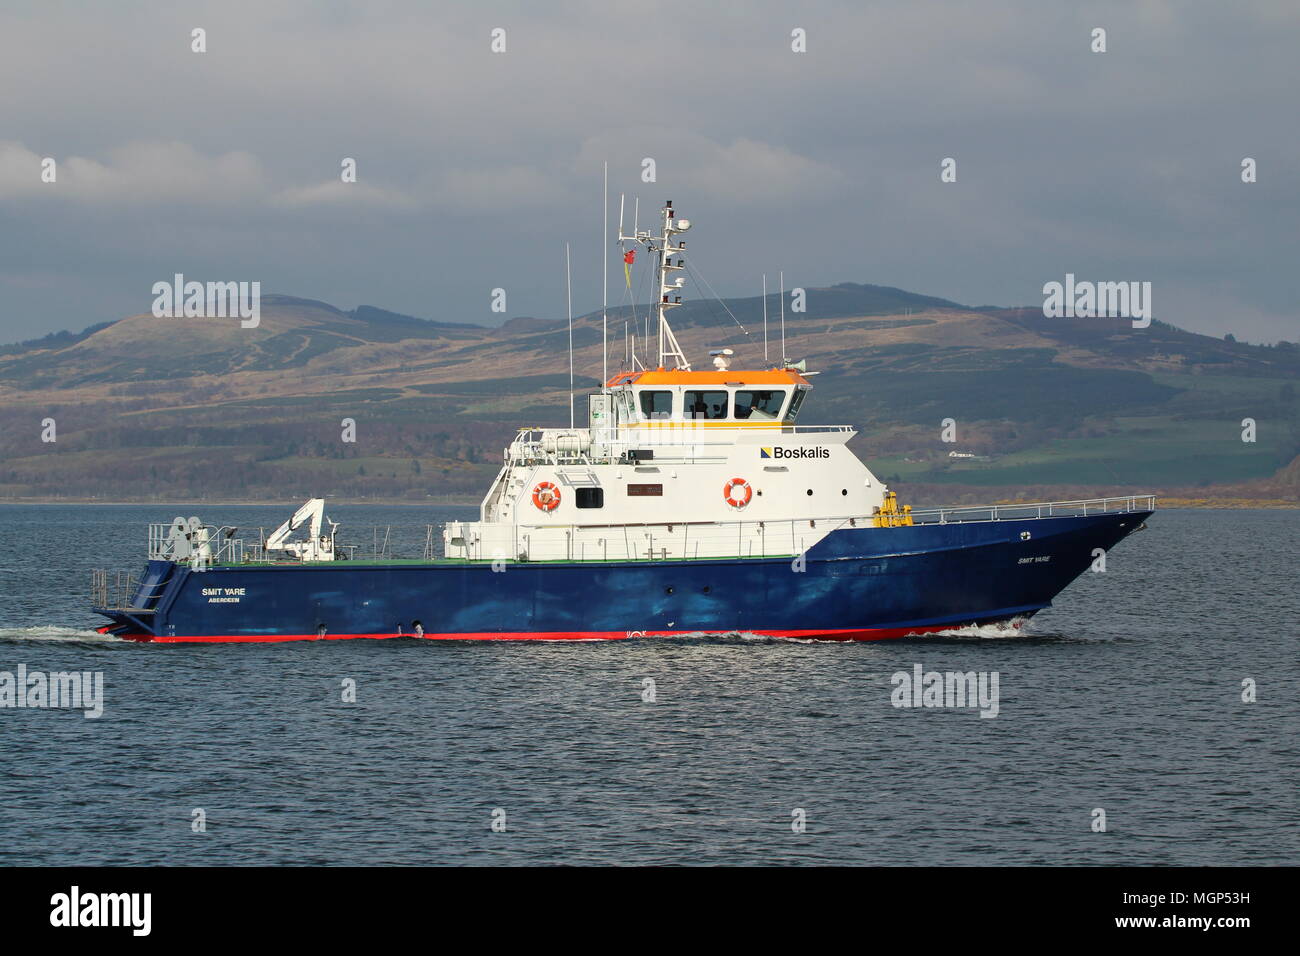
<point>1149,718</point>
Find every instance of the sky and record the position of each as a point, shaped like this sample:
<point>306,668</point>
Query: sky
<point>475,167</point>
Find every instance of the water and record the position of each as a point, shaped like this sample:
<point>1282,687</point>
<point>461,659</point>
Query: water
<point>1126,697</point>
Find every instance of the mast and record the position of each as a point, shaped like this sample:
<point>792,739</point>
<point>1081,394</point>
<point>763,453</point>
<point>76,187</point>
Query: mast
<point>568,294</point>
<point>636,230</point>
<point>604,274</point>
<point>783,360</point>
<point>671,259</point>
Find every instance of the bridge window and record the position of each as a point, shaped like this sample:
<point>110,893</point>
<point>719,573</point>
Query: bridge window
<point>793,413</point>
<point>656,404</point>
<point>626,405</point>
<point>760,406</point>
<point>706,404</point>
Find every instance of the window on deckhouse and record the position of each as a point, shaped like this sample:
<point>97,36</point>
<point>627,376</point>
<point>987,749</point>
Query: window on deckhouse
<point>762,405</point>
<point>706,404</point>
<point>655,405</point>
<point>793,411</point>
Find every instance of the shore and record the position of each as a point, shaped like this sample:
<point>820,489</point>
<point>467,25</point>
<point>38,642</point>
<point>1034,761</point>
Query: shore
<point>448,501</point>
<point>453,501</point>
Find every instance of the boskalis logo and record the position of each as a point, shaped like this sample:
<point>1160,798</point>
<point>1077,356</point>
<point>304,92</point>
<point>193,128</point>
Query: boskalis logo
<point>779,452</point>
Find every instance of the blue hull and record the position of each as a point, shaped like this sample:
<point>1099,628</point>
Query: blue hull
<point>862,584</point>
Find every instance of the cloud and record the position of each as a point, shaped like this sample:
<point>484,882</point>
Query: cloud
<point>174,172</point>
<point>747,170</point>
<point>494,188</point>
<point>743,170</point>
<point>1123,164</point>
<point>336,193</point>
<point>142,172</point>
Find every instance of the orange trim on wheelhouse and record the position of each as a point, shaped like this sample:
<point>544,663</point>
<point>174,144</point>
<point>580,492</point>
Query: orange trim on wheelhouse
<point>660,376</point>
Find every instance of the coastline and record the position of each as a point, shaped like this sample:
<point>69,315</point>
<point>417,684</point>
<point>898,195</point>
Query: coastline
<point>467,502</point>
<point>1163,502</point>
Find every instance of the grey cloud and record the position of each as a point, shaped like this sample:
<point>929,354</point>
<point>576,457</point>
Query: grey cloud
<point>475,168</point>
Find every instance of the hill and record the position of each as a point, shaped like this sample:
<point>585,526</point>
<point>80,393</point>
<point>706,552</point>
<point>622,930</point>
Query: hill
<point>187,409</point>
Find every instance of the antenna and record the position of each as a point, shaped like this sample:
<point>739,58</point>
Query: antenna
<point>568,289</point>
<point>764,318</point>
<point>783,320</point>
<point>622,197</point>
<point>666,297</point>
<point>604,293</point>
<point>636,222</point>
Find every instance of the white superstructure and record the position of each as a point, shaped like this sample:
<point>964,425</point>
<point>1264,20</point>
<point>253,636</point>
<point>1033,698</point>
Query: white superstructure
<point>675,463</point>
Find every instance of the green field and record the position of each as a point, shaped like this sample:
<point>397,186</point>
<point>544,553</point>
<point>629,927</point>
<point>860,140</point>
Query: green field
<point>1150,452</point>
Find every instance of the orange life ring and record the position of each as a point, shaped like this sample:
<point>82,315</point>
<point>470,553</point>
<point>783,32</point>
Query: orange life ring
<point>546,496</point>
<point>731,486</point>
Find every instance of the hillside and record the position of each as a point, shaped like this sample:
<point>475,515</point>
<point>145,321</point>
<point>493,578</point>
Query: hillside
<point>187,409</point>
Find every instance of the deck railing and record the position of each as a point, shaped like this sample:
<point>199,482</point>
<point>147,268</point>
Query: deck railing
<point>115,590</point>
<point>219,547</point>
<point>648,541</point>
<point>662,541</point>
<point>1044,509</point>
<point>679,441</point>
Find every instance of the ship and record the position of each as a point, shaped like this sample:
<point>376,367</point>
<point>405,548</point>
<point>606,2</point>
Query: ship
<point>693,502</point>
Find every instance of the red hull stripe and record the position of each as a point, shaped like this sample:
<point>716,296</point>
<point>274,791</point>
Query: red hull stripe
<point>870,634</point>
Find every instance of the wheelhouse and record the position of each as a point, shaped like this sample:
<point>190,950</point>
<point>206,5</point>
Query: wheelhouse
<point>737,399</point>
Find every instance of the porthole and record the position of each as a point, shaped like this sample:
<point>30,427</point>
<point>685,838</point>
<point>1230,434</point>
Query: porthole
<point>810,492</point>
<point>668,590</point>
<point>844,491</point>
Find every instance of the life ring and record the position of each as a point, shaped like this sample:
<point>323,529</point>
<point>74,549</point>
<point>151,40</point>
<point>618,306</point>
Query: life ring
<point>746,493</point>
<point>546,496</point>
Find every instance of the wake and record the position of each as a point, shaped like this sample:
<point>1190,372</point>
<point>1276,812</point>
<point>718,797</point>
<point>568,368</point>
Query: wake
<point>57,634</point>
<point>1019,627</point>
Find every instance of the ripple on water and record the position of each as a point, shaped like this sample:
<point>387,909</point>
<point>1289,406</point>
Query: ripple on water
<point>1125,695</point>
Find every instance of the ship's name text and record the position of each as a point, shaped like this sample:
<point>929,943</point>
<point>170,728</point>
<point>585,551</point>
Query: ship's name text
<point>223,595</point>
